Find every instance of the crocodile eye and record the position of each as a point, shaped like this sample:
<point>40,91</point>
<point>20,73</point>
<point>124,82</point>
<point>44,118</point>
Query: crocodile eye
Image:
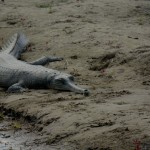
<point>61,80</point>
<point>71,78</point>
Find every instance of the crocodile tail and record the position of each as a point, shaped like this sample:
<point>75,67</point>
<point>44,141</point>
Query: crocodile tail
<point>16,45</point>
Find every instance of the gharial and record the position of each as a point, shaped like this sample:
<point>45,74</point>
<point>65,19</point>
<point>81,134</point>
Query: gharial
<point>17,75</point>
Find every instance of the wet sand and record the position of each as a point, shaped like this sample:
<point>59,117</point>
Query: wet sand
<point>20,135</point>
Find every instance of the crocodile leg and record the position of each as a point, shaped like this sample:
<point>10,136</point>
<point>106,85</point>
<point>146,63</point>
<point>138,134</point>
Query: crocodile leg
<point>45,60</point>
<point>16,88</point>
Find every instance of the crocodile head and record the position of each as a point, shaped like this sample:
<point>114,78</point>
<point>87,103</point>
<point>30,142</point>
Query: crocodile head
<point>65,82</point>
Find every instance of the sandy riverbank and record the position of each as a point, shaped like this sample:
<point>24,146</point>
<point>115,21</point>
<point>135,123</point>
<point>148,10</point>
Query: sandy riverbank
<point>106,46</point>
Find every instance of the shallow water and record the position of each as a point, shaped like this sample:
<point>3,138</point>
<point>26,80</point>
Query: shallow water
<point>16,136</point>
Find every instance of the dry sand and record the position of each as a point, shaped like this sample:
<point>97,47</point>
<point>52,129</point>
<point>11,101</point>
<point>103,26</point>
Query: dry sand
<point>106,46</point>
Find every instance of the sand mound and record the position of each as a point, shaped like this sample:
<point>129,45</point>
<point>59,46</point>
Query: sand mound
<point>106,60</point>
<point>139,59</point>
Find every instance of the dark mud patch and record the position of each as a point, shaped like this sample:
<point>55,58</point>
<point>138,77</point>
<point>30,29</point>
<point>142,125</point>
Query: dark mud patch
<point>17,135</point>
<point>141,60</point>
<point>123,138</point>
<point>17,20</point>
<point>135,15</point>
<point>17,115</point>
<point>107,60</point>
<point>102,62</point>
<point>57,138</point>
<point>97,148</point>
<point>113,94</point>
<point>146,82</point>
<point>140,14</point>
<point>104,96</point>
<point>97,123</point>
<point>138,59</point>
<point>18,132</point>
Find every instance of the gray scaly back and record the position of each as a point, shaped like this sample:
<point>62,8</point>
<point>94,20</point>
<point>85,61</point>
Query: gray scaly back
<point>17,75</point>
<point>16,45</point>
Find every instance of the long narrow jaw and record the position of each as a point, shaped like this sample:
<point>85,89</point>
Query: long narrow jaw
<point>65,83</point>
<point>76,89</point>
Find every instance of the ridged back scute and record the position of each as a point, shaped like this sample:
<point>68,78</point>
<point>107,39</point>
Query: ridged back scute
<point>16,45</point>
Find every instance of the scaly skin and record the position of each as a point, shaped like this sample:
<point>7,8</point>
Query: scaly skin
<point>17,75</point>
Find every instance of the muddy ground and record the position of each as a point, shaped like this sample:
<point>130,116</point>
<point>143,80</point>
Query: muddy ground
<point>20,135</point>
<point>106,46</point>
